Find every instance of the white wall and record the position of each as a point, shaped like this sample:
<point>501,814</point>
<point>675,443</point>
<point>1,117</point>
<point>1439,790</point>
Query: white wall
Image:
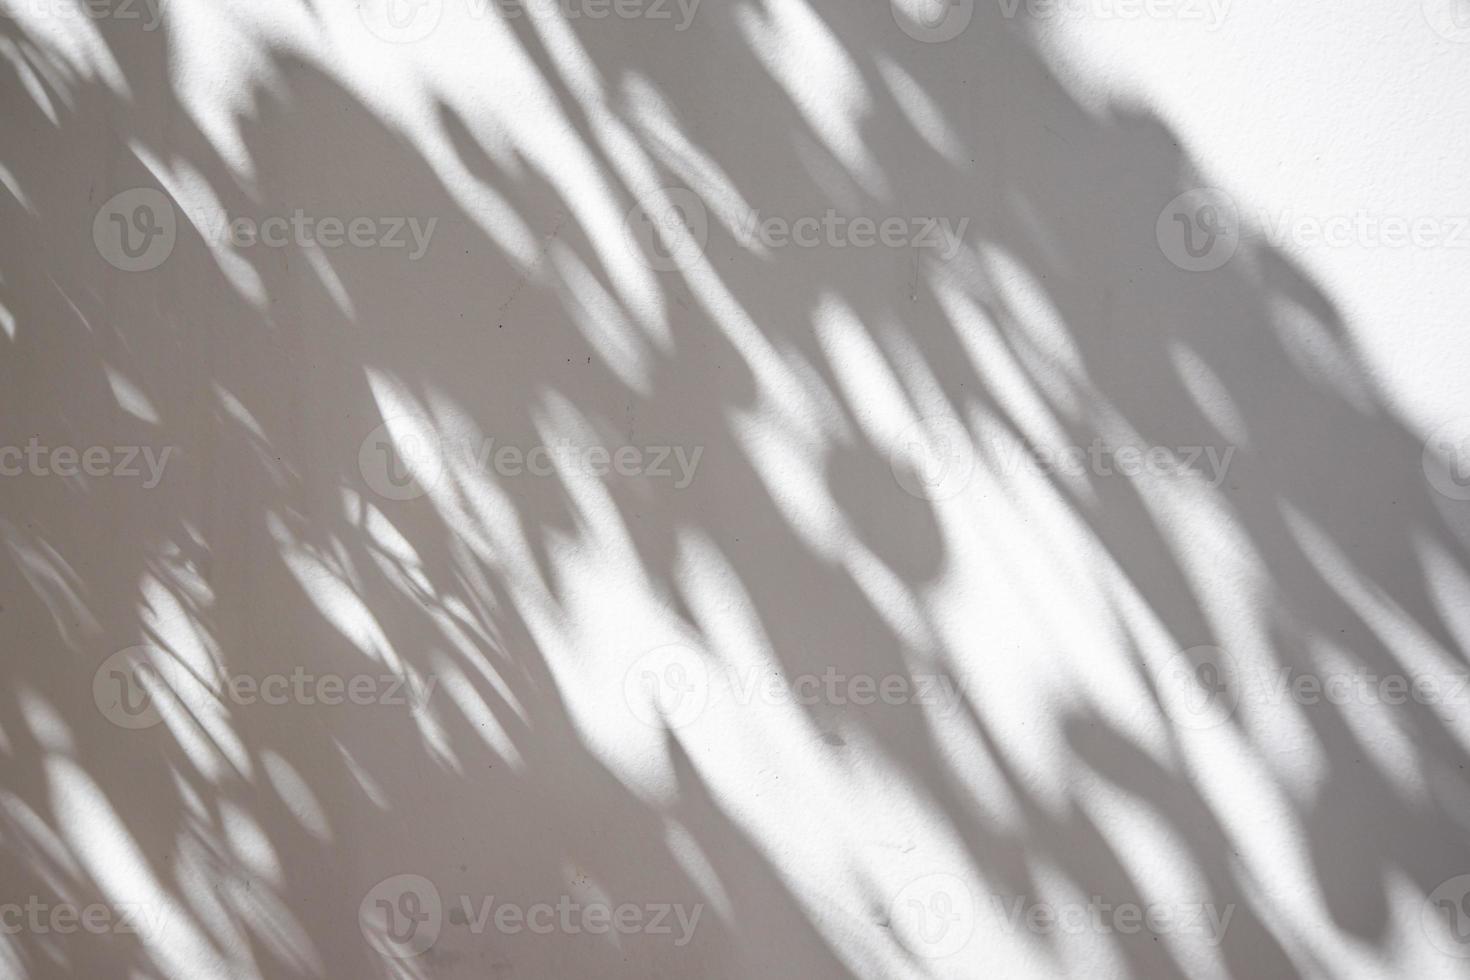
<point>864,657</point>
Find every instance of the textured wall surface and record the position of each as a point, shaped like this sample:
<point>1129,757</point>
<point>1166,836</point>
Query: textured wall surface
<point>734,489</point>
